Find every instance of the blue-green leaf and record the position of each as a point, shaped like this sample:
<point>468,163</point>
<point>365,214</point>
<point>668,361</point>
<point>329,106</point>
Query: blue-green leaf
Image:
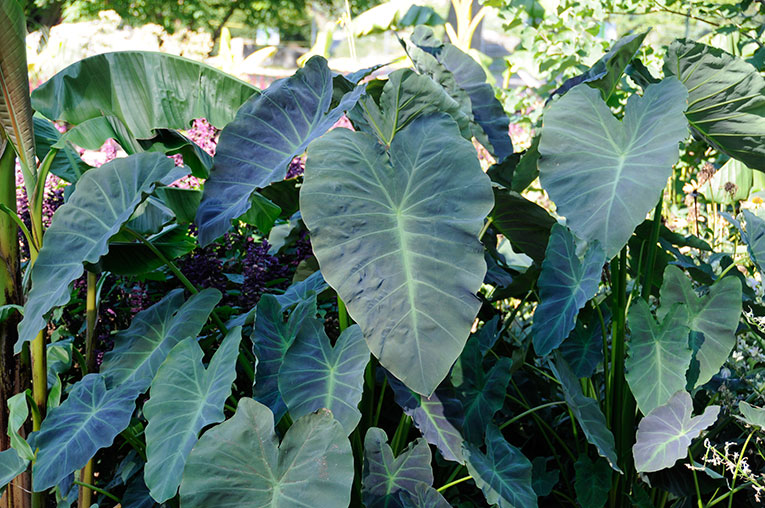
<point>270,129</point>
<point>185,397</point>
<point>503,473</point>
<point>315,374</point>
<point>88,420</point>
<point>752,415</point>
<point>240,463</point>
<point>11,465</point>
<point>593,482</point>
<point>18,412</point>
<point>583,348</point>
<point>104,199</point>
<point>140,350</point>
<point>565,285</point>
<point>482,394</point>
<point>424,496</point>
<point>754,237</point>
<point>304,290</point>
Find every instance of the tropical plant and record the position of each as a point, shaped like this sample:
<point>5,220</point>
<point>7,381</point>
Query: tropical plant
<point>411,362</point>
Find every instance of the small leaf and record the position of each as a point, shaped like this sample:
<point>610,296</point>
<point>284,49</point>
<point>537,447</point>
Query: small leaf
<point>752,415</point>
<point>593,482</point>
<point>482,395</point>
<point>67,163</point>
<point>18,412</point>
<point>88,420</point>
<point>237,463</point>
<point>659,355</point>
<point>565,285</point>
<point>542,480</point>
<point>185,397</point>
<point>583,348</point>
<point>664,434</point>
<point>305,290</point>
<point>524,223</point>
<point>502,473</point>
<point>314,374</point>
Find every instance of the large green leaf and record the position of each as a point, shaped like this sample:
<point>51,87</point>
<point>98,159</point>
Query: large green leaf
<point>437,417</point>
<point>659,355</point>
<point>664,435</point>
<point>386,475</point>
<point>88,420</point>
<point>754,237</point>
<point>566,283</point>
<point>604,174</point>
<point>103,200</point>
<point>587,412</point>
<point>399,241</point>
<point>424,497</point>
<point>268,132</point>
<point>140,350</point>
<point>185,397</point>
<point>524,223</point>
<point>240,463</point>
<point>134,258</point>
<point>271,338</point>
<point>715,315</point>
<point>592,483</point>
<point>15,107</point>
<point>726,99</point>
<point>144,90</point>
<point>503,473</point>
<point>315,374</point>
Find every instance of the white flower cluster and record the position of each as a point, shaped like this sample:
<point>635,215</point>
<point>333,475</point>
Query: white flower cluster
<point>730,461</point>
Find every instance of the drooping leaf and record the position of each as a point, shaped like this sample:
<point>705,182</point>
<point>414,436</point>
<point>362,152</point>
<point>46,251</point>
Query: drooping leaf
<point>593,482</point>
<point>664,435</point>
<point>134,258</point>
<point>437,417</point>
<point>754,237</point>
<point>183,202</point>
<point>315,374</point>
<point>88,420</point>
<point>15,106</point>
<point>269,131</point>
<point>587,412</point>
<point>305,290</point>
<point>11,465</point>
<point>271,338</point>
<point>385,475</point>
<point>503,473</point>
<point>726,105</point>
<point>606,73</point>
<point>240,463</point>
<point>752,415</point>
<point>714,315</point>
<point>18,412</point>
<point>104,199</point>
<point>604,174</point>
<point>67,163</point>
<point>659,355</point>
<point>491,119</point>
<point>185,397</point>
<point>140,350</point>
<point>262,213</point>
<point>565,285</point>
<point>144,90</point>
<point>524,223</point>
<point>399,243</point>
<point>583,348</point>
<point>542,480</point>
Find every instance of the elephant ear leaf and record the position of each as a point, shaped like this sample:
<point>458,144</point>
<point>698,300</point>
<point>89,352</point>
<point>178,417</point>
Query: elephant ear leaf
<point>424,496</point>
<point>15,106</point>
<point>664,434</point>
<point>140,350</point>
<point>11,465</point>
<point>503,473</point>
<point>88,420</point>
<point>185,397</point>
<point>659,355</point>
<point>385,231</point>
<point>625,164</point>
<point>565,285</point>
<point>268,132</point>
<point>752,415</point>
<point>754,237</point>
<point>726,99</point>
<point>714,317</point>
<point>240,463</point>
<point>315,374</point>
<point>385,476</point>
<point>79,233</point>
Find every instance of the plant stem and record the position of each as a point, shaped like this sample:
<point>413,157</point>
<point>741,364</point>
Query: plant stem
<point>529,411</point>
<point>84,500</point>
<point>455,482</point>
<point>695,478</point>
<point>738,467</point>
<point>342,314</point>
<point>96,489</point>
<point>654,238</point>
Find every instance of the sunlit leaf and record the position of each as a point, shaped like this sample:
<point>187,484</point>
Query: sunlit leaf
<point>752,415</point>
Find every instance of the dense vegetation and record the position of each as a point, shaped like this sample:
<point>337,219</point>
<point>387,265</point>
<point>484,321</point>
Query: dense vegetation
<point>344,290</point>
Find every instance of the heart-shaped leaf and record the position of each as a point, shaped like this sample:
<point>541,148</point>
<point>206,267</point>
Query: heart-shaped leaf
<point>592,483</point>
<point>664,435</point>
<point>565,285</point>
<point>589,157</point>
<point>395,232</point>
<point>269,131</point>
<point>659,355</point>
<point>315,374</point>
<point>185,397</point>
<point>437,417</point>
<point>88,420</point>
<point>240,463</point>
<point>503,473</point>
<point>386,475</point>
<point>725,99</point>
<point>714,315</point>
<point>140,350</point>
<point>583,348</point>
<point>103,200</point>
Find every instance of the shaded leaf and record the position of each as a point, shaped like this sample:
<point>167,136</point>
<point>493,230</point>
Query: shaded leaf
<point>583,348</point>
<point>524,223</point>
<point>67,163</point>
<point>592,483</point>
<point>11,465</point>
<point>424,497</point>
<point>134,258</point>
<point>183,202</point>
<point>542,480</point>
